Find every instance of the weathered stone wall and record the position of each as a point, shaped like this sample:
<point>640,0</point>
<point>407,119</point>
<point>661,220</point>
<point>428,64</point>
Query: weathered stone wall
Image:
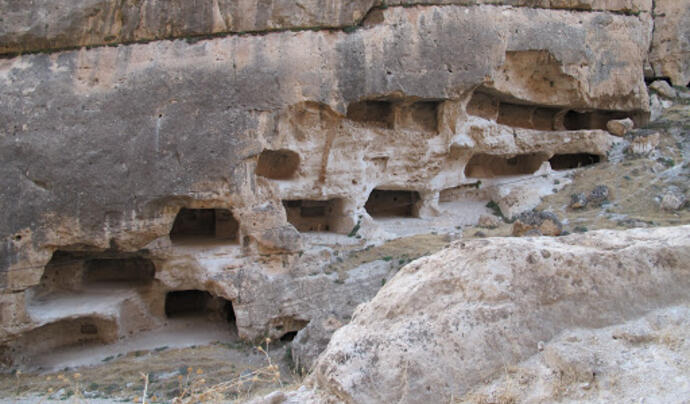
<point>670,52</point>
<point>102,147</point>
<point>42,25</point>
<point>171,121</point>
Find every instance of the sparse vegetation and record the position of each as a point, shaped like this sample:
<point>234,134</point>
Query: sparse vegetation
<point>124,379</point>
<point>668,162</point>
<point>495,209</point>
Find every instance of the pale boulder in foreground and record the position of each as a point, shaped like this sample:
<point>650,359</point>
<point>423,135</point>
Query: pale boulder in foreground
<point>452,322</point>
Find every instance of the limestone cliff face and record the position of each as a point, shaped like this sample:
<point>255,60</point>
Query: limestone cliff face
<point>103,148</point>
<point>670,52</point>
<point>41,25</point>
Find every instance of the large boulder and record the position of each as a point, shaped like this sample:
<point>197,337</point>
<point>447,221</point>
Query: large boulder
<point>448,323</point>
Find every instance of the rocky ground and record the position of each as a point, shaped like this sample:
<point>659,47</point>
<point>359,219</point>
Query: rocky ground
<point>232,370</point>
<point>637,183</point>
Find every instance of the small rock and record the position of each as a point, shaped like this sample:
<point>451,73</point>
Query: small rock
<point>580,229</point>
<point>620,127</point>
<point>480,234</point>
<point>663,89</point>
<point>630,223</point>
<point>644,141</point>
<point>275,397</point>
<point>598,196</point>
<point>673,199</point>
<point>578,201</point>
<point>535,223</point>
<point>656,108</point>
<point>489,221</point>
<point>572,365</point>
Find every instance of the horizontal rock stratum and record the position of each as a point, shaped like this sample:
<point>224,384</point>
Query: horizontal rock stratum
<point>41,25</point>
<point>450,323</point>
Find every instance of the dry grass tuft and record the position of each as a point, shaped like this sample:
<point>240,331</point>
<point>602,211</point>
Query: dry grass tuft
<point>194,389</point>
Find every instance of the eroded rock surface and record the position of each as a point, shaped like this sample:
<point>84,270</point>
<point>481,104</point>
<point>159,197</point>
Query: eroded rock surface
<point>669,55</point>
<point>646,357</point>
<point>42,25</point>
<point>276,164</point>
<point>106,147</point>
<point>454,321</point>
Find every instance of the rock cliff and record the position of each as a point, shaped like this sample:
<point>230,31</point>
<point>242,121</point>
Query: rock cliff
<point>263,162</point>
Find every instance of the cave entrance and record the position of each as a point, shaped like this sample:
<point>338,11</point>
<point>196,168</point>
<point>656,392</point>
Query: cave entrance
<point>77,271</point>
<point>204,224</point>
<point>527,116</point>
<point>375,113</point>
<point>490,166</point>
<point>277,164</point>
<point>82,332</point>
<point>197,303</point>
<point>542,117</point>
<point>574,120</point>
<point>420,116</point>
<point>561,162</point>
<point>286,328</point>
<point>288,336</point>
<point>184,303</point>
<point>385,203</point>
<point>121,270</point>
<point>315,216</point>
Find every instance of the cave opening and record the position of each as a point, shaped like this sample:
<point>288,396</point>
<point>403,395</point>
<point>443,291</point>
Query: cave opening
<point>278,164</point>
<point>314,216</point>
<point>182,303</point>
<point>386,203</point>
<point>489,166</point>
<point>204,224</point>
<point>376,113</point>
<point>288,336</point>
<point>420,116</point>
<point>121,270</point>
<point>286,328</point>
<point>198,303</point>
<point>574,120</point>
<point>229,312</point>
<point>75,271</point>
<point>650,80</point>
<point>561,162</point>
<point>82,331</point>
<point>527,116</point>
<point>512,113</point>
